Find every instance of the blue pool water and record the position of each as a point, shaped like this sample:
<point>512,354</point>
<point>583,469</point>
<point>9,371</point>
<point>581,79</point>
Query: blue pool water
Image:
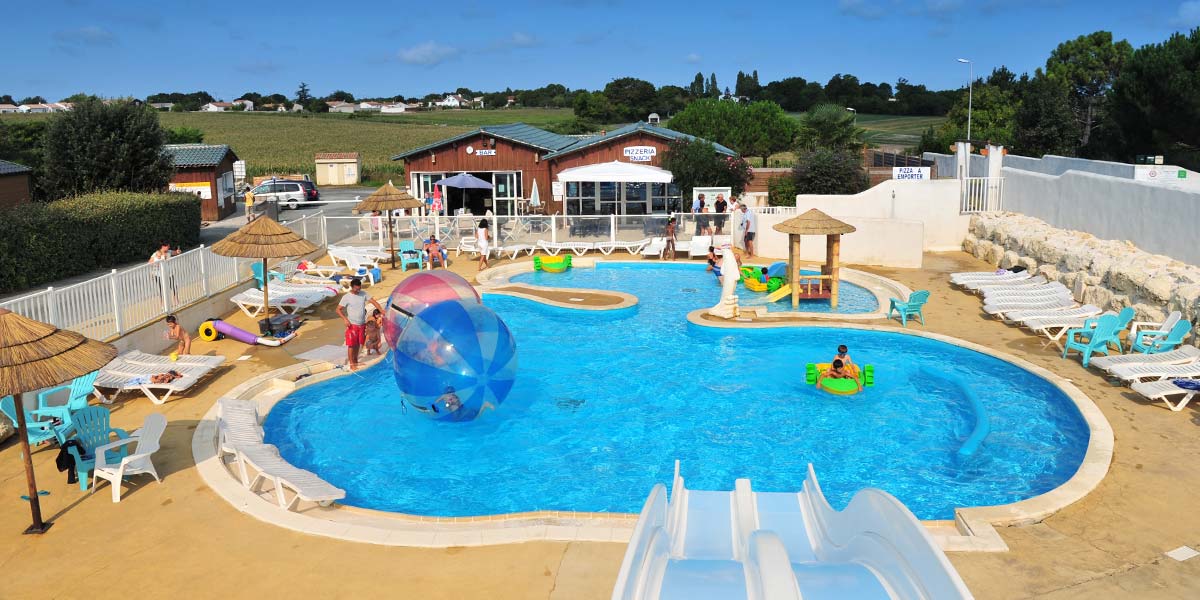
<point>606,401</point>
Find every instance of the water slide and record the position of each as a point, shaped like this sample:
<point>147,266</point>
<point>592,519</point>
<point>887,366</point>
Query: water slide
<point>743,544</point>
<point>784,291</point>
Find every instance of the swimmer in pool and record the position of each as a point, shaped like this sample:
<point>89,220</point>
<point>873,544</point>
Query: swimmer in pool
<point>838,370</point>
<point>843,354</point>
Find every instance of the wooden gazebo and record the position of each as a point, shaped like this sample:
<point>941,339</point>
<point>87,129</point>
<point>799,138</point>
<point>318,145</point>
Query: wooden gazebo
<point>825,285</point>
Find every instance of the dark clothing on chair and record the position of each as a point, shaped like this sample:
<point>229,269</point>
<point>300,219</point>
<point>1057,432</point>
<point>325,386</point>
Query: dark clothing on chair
<point>65,462</point>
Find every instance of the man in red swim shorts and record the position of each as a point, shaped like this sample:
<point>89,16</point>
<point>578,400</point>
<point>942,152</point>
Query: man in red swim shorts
<point>352,308</point>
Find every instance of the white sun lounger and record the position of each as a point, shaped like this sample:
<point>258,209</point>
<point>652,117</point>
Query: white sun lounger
<point>251,302</point>
<point>1185,354</point>
<point>970,275</point>
<point>1000,308</point>
<point>1049,289</point>
<point>298,289</point>
<point>1040,313</point>
<point>291,270</point>
<point>607,248</point>
<point>1165,390</point>
<point>553,248</point>
<point>237,426</point>
<point>1006,278</point>
<point>189,360</point>
<point>371,255</point>
<point>1132,373</point>
<point>122,382</point>
<point>271,467</point>
<point>516,249</point>
<point>655,247</point>
<point>1055,327</point>
<point>1035,281</point>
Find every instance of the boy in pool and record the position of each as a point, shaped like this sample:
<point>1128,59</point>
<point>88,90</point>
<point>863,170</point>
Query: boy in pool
<point>838,370</point>
<point>712,258</point>
<point>843,356</point>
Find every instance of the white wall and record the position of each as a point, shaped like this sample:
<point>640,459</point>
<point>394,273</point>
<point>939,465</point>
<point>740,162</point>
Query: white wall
<point>935,204</point>
<point>1157,219</point>
<point>877,242</point>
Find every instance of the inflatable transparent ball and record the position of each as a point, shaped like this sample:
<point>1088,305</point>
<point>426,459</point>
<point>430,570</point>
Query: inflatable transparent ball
<point>417,293</point>
<point>453,361</point>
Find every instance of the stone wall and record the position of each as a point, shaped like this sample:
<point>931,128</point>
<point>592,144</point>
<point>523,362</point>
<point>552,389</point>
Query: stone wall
<point>1107,273</point>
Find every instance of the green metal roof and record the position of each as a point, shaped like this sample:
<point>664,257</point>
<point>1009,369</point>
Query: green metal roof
<point>632,128</point>
<point>520,133</point>
<point>12,168</point>
<point>197,155</point>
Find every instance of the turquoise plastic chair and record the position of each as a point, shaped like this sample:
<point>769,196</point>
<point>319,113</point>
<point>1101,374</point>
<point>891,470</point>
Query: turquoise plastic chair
<point>256,268</point>
<point>409,255</point>
<point>1083,334</point>
<point>38,430</point>
<point>1105,332</point>
<point>916,301</point>
<point>92,431</point>
<point>80,389</point>
<point>1153,342</point>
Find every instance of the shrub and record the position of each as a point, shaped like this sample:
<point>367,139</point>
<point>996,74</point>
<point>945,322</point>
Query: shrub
<point>825,171</point>
<point>781,191</point>
<point>42,243</point>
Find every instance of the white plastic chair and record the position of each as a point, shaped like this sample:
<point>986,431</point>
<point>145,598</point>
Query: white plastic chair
<point>136,463</point>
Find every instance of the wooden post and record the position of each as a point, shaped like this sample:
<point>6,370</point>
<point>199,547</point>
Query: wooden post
<point>794,268</point>
<point>832,257</point>
<point>391,241</point>
<point>35,507</point>
<point>266,297</point>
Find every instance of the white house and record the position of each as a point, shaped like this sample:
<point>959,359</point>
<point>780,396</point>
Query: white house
<point>9,108</point>
<point>247,105</point>
<point>216,107</point>
<point>395,107</point>
<point>370,106</point>
<point>477,101</point>
<point>453,101</point>
<point>341,107</point>
<point>295,107</point>
<point>162,105</point>
<point>35,108</point>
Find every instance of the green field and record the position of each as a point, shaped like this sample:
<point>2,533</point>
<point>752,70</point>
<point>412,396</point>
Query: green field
<point>286,142</point>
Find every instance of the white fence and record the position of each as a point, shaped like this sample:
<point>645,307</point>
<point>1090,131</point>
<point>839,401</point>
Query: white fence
<point>108,306</point>
<point>981,194</point>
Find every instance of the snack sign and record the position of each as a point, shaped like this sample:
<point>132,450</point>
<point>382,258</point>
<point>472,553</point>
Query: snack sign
<point>640,153</point>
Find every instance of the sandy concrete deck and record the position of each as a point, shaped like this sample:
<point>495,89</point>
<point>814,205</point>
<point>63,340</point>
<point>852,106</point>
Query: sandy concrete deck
<point>180,539</point>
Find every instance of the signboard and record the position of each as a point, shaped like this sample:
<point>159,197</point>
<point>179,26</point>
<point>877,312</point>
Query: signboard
<point>640,153</point>
<point>1159,174</point>
<point>556,189</point>
<point>485,153</point>
<point>201,189</point>
<point>910,173</point>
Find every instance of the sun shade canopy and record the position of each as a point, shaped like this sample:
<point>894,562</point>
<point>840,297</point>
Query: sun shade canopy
<point>617,171</point>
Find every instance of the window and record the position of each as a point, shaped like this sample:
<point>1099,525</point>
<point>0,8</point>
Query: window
<point>262,189</point>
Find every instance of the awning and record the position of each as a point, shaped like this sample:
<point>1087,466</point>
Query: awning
<point>617,171</point>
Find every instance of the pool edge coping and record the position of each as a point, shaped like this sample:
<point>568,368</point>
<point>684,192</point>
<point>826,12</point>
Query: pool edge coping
<point>976,525</point>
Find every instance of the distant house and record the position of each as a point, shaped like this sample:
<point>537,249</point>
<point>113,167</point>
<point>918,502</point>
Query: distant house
<point>62,106</point>
<point>509,101</point>
<point>167,106</point>
<point>296,107</point>
<point>14,183</point>
<point>35,108</point>
<point>247,105</point>
<point>338,168</point>
<point>477,102</point>
<point>370,106</point>
<point>454,101</point>
<point>393,108</point>
<point>205,170</point>
<point>216,107</point>
<point>342,107</point>
<point>653,119</point>
<point>9,108</point>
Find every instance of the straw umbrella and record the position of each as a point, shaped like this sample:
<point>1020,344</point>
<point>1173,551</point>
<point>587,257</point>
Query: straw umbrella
<point>388,198</point>
<point>814,222</point>
<point>263,238</point>
<point>34,355</point>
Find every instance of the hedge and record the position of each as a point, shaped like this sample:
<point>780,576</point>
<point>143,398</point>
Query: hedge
<point>44,242</point>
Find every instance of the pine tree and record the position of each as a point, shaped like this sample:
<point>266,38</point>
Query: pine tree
<point>697,88</point>
<point>713,90</point>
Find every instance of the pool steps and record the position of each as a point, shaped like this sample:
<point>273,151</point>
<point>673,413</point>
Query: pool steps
<point>780,545</point>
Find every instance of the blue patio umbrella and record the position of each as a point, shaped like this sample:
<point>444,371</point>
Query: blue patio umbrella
<point>464,181</point>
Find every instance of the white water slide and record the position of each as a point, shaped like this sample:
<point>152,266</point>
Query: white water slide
<point>781,546</point>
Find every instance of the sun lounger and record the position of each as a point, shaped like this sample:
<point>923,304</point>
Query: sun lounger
<point>606,248</point>
<point>237,425</point>
<point>553,248</point>
<point>1165,390</point>
<point>1132,373</point>
<point>121,375</point>
<point>1185,354</point>
<point>655,247</point>
<point>1039,313</point>
<point>699,246</point>
<point>1032,282</point>
<point>198,360</point>
<point>1049,289</point>
<point>1055,327</point>
<point>999,309</point>
<point>291,269</point>
<point>299,289</point>
<point>367,255</point>
<point>977,282</point>
<point>251,302</point>
<point>271,467</point>
<point>516,249</point>
<point>969,275</point>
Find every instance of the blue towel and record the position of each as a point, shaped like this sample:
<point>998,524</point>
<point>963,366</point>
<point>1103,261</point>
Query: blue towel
<point>1191,385</point>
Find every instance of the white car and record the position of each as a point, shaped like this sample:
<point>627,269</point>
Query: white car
<point>289,194</point>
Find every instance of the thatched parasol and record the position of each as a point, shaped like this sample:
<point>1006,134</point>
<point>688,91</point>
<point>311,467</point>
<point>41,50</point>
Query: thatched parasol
<point>34,355</point>
<point>814,222</point>
<point>264,238</point>
<point>387,199</point>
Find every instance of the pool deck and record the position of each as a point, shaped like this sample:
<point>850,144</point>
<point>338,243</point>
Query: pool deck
<point>179,538</point>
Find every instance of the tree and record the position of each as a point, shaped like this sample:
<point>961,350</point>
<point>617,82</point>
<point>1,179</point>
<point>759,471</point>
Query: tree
<point>340,95</point>
<point>992,115</point>
<point>843,89</point>
<point>7,99</point>
<point>713,120</point>
<point>183,102</point>
<point>32,100</point>
<point>713,89</point>
<point>697,88</point>
<point>698,164</point>
<point>632,99</point>
<point>79,97</point>
<point>829,126</point>
<point>767,130</point>
<point>670,99</point>
<point>303,96</point>
<point>1089,64</point>
<point>747,85</point>
<point>794,94</point>
<point>829,171</point>
<point>21,142</point>
<point>594,107</point>
<point>100,146</point>
<point>185,135</point>
<point>1043,122</point>
<point>1154,102</point>
<point>316,105</point>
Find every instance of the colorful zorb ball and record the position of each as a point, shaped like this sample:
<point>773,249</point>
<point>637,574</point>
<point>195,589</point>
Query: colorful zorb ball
<point>454,360</point>
<point>417,293</point>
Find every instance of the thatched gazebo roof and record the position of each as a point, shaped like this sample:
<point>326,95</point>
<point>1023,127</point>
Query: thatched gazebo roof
<point>263,238</point>
<point>388,197</point>
<point>34,355</point>
<point>814,222</point>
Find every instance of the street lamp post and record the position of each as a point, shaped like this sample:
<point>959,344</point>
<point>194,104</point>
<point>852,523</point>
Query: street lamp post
<point>855,115</point>
<point>970,92</point>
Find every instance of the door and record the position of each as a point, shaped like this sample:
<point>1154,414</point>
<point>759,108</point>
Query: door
<point>332,178</point>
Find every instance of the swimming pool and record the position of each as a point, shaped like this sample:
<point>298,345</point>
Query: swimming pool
<point>606,401</point>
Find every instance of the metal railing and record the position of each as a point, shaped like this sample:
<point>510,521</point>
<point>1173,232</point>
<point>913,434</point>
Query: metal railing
<point>113,304</point>
<point>981,194</point>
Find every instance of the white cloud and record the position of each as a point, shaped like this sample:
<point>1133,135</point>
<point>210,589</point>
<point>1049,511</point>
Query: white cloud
<point>692,58</point>
<point>1189,14</point>
<point>428,54</point>
<point>520,40</point>
<point>85,36</point>
<point>861,8</point>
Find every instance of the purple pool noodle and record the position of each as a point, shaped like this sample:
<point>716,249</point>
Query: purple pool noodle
<point>236,333</point>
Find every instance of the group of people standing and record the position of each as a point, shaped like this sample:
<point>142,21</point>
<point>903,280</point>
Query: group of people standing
<point>711,220</point>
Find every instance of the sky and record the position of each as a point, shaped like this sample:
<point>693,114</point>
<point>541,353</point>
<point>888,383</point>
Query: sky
<point>377,49</point>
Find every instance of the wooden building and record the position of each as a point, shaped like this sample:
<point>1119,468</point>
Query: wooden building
<point>205,170</point>
<point>515,156</point>
<point>15,184</point>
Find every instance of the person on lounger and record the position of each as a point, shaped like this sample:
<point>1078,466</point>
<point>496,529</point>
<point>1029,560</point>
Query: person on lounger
<point>838,370</point>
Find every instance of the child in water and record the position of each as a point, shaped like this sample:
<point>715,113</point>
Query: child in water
<point>843,356</point>
<point>838,370</point>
